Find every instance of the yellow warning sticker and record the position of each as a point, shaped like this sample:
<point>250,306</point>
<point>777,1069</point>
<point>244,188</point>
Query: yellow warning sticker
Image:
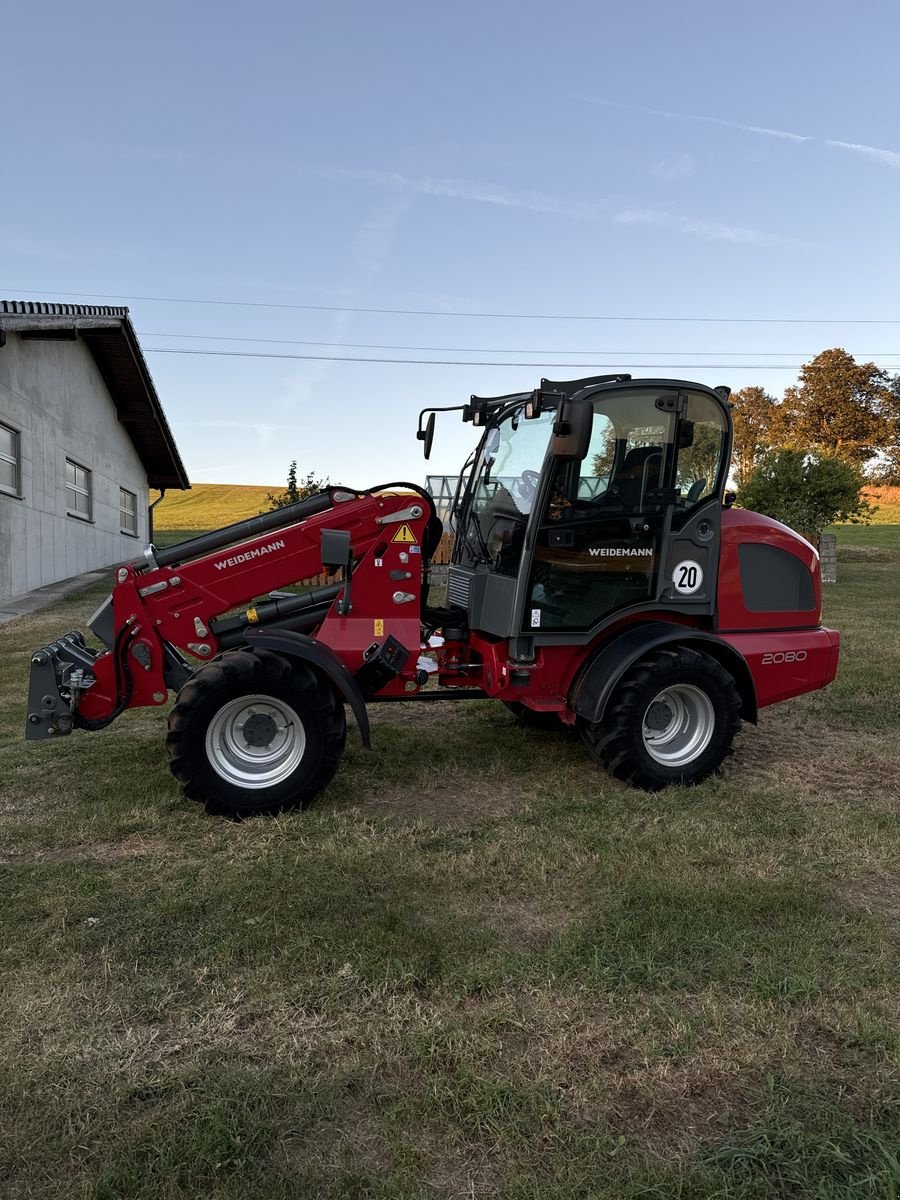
<point>405,534</point>
<point>379,628</point>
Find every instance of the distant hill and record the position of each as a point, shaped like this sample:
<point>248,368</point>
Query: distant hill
<point>209,506</point>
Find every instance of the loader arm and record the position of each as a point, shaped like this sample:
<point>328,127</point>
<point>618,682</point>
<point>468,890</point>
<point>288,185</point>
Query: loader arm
<point>194,600</point>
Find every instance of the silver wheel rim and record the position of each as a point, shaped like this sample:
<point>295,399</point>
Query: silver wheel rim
<point>255,741</point>
<point>678,725</point>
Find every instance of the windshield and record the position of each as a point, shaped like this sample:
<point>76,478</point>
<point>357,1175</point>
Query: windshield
<point>505,482</point>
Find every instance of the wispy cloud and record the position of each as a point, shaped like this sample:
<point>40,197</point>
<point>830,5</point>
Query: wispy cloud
<point>604,209</point>
<point>678,166</point>
<point>887,158</point>
<point>711,231</point>
<point>470,190</point>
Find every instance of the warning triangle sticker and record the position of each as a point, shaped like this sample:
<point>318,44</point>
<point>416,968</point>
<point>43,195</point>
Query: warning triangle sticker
<point>406,535</point>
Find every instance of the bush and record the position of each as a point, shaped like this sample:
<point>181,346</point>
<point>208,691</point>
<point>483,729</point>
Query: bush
<point>296,491</point>
<point>808,492</point>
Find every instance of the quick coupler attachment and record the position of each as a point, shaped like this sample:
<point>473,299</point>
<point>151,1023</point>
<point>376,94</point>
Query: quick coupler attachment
<point>59,673</point>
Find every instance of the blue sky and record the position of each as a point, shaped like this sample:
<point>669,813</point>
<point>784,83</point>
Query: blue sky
<point>640,160</point>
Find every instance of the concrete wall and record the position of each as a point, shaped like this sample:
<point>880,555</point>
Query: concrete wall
<point>53,394</point>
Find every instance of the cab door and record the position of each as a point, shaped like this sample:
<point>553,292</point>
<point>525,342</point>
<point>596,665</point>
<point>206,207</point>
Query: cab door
<point>636,522</point>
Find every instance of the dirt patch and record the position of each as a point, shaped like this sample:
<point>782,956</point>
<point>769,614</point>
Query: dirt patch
<point>525,925</point>
<point>447,802</point>
<point>133,846</point>
<point>868,554</point>
<point>794,751</point>
<point>877,894</point>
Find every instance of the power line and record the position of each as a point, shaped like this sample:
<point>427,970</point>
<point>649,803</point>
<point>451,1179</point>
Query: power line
<point>217,337</point>
<point>431,312</point>
<point>440,362</point>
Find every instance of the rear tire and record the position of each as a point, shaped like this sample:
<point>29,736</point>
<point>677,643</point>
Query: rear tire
<point>255,733</point>
<point>672,720</point>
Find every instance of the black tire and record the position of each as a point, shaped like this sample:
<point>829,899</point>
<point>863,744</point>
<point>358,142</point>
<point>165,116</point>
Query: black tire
<point>532,719</point>
<point>289,689</point>
<point>619,742</point>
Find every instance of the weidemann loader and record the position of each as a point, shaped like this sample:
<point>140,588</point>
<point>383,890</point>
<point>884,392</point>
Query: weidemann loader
<point>600,578</point>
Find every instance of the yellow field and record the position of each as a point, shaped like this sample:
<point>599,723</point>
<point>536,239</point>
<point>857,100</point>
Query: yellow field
<point>887,502</point>
<point>210,505</point>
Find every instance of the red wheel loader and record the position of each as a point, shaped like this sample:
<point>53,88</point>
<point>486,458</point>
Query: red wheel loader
<point>599,578</point>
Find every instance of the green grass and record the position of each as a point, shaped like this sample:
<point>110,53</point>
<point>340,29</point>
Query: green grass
<point>477,967</point>
<point>884,531</point>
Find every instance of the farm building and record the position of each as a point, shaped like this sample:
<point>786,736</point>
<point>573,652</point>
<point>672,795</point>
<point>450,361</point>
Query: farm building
<point>82,438</point>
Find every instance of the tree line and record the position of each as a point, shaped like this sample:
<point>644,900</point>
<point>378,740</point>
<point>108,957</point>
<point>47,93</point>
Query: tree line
<point>838,408</point>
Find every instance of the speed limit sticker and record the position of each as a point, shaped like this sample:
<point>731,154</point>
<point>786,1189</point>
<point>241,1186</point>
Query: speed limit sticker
<point>687,577</point>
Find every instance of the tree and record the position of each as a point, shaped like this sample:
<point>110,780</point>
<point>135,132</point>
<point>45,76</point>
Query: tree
<point>888,470</point>
<point>757,422</point>
<point>806,491</point>
<point>839,407</point>
<point>295,490</point>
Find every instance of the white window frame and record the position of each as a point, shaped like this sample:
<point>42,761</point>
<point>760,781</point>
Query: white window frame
<point>15,458</point>
<point>88,491</point>
<point>125,512</point>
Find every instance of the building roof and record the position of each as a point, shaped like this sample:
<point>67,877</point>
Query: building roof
<point>109,335</point>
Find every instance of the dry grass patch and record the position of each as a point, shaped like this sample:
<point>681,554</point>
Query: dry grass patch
<point>477,966</point>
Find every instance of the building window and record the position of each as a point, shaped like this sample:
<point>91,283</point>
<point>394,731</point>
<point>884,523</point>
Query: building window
<point>128,512</point>
<point>78,491</point>
<point>9,460</point>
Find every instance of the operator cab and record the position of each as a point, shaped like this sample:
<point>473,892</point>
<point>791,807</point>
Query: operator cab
<point>587,499</point>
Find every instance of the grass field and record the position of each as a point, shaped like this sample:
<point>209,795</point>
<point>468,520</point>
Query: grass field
<point>210,505</point>
<point>477,968</point>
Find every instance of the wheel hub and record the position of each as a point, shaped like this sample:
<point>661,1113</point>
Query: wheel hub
<point>255,741</point>
<point>659,716</point>
<point>259,730</point>
<point>678,725</point>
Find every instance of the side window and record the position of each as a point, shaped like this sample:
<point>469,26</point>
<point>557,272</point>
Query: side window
<point>127,512</point>
<point>10,473</point>
<point>701,451</point>
<point>627,453</point>
<point>597,466</point>
<point>78,491</point>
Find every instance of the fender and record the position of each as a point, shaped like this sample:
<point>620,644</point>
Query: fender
<point>600,674</point>
<point>324,659</point>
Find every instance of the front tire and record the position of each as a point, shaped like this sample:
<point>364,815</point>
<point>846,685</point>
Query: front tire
<point>672,720</point>
<point>254,732</point>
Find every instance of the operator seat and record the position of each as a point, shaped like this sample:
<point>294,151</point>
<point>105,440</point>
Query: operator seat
<point>639,472</point>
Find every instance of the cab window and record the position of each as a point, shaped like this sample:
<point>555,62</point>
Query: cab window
<point>701,450</point>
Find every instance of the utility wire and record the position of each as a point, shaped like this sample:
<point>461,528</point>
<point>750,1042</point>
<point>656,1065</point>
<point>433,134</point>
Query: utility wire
<point>440,362</point>
<point>431,312</point>
<point>216,337</point>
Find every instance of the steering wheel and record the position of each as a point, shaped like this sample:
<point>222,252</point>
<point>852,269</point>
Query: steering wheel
<point>530,480</point>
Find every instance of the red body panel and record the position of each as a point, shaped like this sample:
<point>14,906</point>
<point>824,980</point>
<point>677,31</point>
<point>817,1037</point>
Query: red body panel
<point>788,663</point>
<point>739,525</point>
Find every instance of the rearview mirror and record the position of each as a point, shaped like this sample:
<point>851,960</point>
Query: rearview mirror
<point>572,430</point>
<point>426,435</point>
